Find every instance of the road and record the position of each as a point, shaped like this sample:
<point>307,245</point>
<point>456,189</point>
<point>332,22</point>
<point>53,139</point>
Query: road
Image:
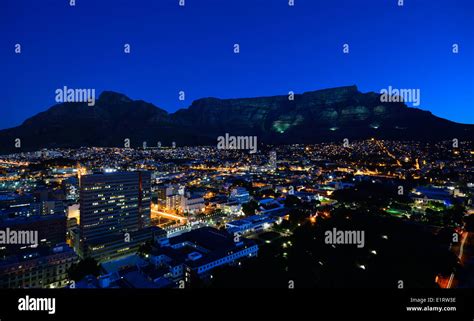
<point>385,149</point>
<point>465,253</point>
<point>168,215</point>
<point>465,276</point>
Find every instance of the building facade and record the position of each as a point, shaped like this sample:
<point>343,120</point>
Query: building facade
<point>112,207</point>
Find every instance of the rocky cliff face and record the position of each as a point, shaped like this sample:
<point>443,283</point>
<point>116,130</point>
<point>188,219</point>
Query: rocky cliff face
<point>329,114</point>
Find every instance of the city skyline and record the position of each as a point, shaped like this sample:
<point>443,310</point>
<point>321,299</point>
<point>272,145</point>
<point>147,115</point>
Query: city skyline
<point>157,156</point>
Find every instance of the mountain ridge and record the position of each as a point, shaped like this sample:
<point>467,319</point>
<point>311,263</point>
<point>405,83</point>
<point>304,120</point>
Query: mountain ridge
<point>311,117</point>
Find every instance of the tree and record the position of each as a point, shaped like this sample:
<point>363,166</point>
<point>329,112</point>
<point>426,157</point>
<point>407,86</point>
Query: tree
<point>469,221</point>
<point>85,267</point>
<point>145,248</point>
<point>292,201</point>
<point>250,208</point>
<point>434,217</point>
<point>455,214</point>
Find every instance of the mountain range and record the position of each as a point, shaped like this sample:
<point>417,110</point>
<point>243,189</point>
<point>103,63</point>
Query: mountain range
<point>323,115</point>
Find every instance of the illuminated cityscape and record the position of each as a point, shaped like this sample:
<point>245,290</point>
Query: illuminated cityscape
<point>237,160</point>
<point>148,216</point>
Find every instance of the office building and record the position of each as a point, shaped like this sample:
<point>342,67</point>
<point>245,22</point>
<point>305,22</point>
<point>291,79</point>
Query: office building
<point>113,208</point>
<point>38,268</point>
<point>272,163</point>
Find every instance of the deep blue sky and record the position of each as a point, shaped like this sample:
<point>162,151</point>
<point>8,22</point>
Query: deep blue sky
<point>282,48</point>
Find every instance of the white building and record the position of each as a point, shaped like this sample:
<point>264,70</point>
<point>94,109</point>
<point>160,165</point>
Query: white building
<point>192,203</point>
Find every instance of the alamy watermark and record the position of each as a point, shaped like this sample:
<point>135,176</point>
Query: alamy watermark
<point>8,236</point>
<point>336,236</point>
<point>37,304</point>
<point>69,95</point>
<point>237,142</point>
<point>395,95</point>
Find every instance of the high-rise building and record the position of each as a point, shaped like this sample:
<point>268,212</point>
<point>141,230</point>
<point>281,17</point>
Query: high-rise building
<point>165,194</point>
<point>112,205</point>
<point>272,163</point>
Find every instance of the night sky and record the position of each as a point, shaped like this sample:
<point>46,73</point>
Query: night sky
<point>190,48</point>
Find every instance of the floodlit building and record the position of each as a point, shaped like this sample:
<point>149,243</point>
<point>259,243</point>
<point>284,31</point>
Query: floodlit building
<point>239,194</point>
<point>114,213</point>
<point>199,251</point>
<point>272,163</point>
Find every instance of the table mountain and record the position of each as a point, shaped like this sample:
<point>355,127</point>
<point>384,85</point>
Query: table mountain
<point>322,115</point>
